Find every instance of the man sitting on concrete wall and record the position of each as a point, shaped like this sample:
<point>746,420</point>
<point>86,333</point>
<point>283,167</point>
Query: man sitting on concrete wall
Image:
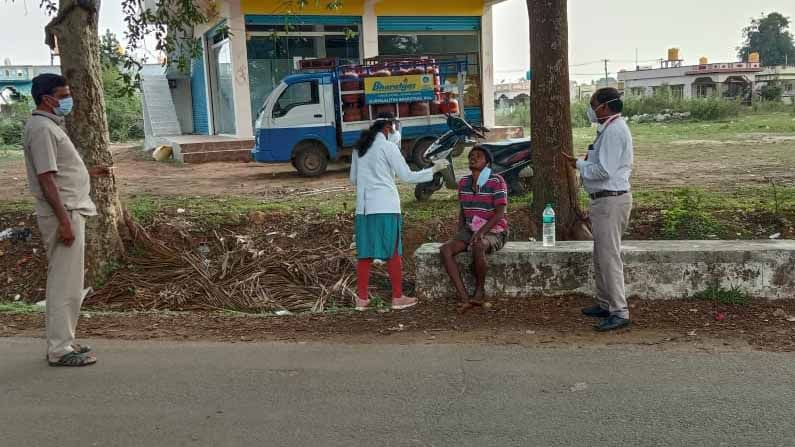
<point>482,227</point>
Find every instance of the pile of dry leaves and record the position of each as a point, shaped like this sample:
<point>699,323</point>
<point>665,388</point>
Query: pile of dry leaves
<point>308,267</point>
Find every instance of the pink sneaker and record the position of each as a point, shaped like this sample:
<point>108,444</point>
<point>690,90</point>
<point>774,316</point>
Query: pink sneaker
<point>361,305</point>
<point>404,302</point>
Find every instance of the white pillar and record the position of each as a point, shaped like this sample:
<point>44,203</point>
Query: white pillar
<point>369,35</point>
<point>241,90</point>
<point>487,65</point>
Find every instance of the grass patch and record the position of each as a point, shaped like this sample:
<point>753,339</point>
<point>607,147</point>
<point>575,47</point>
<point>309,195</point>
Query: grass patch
<point>19,307</point>
<point>731,296</point>
<point>686,218</point>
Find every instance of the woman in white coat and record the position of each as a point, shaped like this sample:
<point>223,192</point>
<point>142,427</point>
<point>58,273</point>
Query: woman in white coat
<point>375,163</point>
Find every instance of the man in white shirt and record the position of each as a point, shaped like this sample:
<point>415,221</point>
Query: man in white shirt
<point>605,172</point>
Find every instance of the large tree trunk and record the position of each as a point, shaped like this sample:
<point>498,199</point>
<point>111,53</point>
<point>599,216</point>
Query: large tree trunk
<point>75,28</point>
<point>554,181</point>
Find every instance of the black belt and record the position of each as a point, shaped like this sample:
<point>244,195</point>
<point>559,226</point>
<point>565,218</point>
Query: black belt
<point>600,194</point>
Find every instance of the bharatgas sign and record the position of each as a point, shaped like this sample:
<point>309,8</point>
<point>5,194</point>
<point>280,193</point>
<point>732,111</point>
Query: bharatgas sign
<point>392,89</point>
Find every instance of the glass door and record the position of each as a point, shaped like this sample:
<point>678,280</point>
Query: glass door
<point>221,80</point>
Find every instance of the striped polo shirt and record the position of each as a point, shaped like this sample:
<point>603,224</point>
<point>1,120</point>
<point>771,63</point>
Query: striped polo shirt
<point>484,203</point>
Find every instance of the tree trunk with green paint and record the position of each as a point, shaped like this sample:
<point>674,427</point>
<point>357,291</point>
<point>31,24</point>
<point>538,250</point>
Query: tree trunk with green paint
<point>554,180</point>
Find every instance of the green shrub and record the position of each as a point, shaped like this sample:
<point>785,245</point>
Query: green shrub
<point>519,115</point>
<point>123,110</point>
<point>12,122</point>
<point>686,218</point>
<point>579,114</point>
<point>712,109</point>
<point>733,295</point>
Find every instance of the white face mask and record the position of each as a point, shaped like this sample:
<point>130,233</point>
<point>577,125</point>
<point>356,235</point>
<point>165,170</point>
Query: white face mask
<point>591,112</point>
<point>484,176</point>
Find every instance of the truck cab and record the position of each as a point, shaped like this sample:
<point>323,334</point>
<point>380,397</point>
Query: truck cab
<point>298,123</point>
<point>314,117</point>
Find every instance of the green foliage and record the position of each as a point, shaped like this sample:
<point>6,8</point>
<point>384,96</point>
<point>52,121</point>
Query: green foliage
<point>731,296</point>
<point>12,122</point>
<point>770,37</point>
<point>519,115</point>
<point>771,92</point>
<point>110,50</point>
<point>712,109</point>
<point>19,307</point>
<point>122,107</point>
<point>579,114</point>
<point>687,218</point>
<point>701,109</point>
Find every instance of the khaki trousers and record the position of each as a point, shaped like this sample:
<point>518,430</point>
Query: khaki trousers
<point>609,220</point>
<point>65,290</point>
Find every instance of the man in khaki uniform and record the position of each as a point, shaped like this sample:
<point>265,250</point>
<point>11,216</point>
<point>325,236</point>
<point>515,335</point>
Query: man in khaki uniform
<point>60,182</point>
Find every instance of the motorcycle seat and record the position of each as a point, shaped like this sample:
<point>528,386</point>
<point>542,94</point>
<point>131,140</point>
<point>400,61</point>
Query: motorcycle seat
<point>512,144</point>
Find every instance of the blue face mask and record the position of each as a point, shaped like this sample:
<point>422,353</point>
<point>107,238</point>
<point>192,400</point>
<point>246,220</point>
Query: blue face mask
<point>484,176</point>
<point>64,106</point>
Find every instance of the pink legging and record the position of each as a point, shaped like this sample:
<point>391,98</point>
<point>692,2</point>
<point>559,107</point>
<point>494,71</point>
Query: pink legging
<point>394,267</point>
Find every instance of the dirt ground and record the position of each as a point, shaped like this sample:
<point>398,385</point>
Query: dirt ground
<point>709,164</point>
<point>138,174</point>
<point>721,165</point>
<point>760,325</point>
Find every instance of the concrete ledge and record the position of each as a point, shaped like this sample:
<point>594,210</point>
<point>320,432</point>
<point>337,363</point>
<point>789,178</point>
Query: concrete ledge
<point>653,269</point>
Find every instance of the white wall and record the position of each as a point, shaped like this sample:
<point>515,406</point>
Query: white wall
<point>183,104</point>
<point>242,93</point>
<point>230,10</point>
<point>369,35</point>
<point>487,66</point>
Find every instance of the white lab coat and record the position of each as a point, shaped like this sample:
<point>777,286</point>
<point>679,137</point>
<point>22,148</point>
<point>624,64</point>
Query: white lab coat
<point>374,177</point>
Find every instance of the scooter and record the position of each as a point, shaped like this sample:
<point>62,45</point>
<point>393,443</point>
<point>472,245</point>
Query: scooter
<point>512,158</point>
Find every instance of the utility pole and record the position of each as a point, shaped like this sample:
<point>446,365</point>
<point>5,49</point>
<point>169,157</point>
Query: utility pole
<point>607,83</point>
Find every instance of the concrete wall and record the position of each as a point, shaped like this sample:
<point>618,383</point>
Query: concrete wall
<point>653,269</point>
<point>487,66</point>
<point>183,104</point>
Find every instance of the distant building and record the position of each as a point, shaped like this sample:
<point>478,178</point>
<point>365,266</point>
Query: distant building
<point>783,77</point>
<point>583,92</point>
<point>20,77</point>
<point>725,79</point>
<point>511,93</point>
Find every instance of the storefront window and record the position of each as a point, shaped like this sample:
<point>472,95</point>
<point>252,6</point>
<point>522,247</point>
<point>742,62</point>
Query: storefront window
<point>274,54</point>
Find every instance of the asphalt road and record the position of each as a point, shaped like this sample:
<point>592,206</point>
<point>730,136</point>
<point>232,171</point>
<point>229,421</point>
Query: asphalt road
<point>313,394</point>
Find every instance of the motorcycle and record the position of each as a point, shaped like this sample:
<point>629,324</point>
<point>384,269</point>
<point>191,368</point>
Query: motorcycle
<point>512,159</point>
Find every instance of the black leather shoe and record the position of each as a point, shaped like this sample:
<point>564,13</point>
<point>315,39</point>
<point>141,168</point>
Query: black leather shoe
<point>596,312</point>
<point>612,323</point>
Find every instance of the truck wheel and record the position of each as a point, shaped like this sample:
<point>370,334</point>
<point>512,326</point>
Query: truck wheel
<point>418,153</point>
<point>310,159</point>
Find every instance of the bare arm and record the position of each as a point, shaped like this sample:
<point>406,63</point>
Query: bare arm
<point>498,214</point>
<point>50,191</point>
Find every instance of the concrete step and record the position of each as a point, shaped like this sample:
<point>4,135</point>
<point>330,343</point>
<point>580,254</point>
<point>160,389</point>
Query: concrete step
<point>213,156</point>
<point>653,269</point>
<point>213,146</point>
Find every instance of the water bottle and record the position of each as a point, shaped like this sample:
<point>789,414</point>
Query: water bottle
<point>549,226</point>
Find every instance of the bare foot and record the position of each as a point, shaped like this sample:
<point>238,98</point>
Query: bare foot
<point>467,305</point>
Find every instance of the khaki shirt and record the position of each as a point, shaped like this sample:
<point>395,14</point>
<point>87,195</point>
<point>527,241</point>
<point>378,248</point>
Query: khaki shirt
<point>49,149</point>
